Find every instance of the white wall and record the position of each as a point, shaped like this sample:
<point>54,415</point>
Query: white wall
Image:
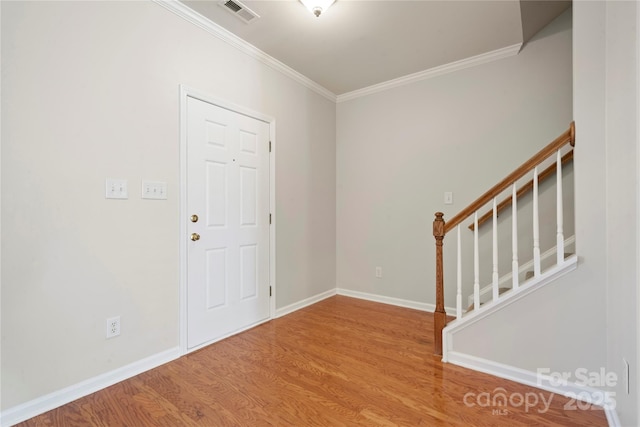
<point>622,215</point>
<point>398,151</point>
<point>90,91</point>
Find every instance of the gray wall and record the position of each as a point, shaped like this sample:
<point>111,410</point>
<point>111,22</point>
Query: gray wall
<point>90,91</point>
<point>398,151</point>
<point>589,318</point>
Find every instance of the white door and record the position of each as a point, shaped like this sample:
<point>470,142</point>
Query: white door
<point>228,229</point>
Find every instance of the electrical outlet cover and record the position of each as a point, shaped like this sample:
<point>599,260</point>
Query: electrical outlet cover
<point>113,327</point>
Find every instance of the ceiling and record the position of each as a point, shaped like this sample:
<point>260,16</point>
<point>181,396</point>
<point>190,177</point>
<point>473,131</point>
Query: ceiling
<point>359,43</point>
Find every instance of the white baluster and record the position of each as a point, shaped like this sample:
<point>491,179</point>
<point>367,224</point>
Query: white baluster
<point>559,213</point>
<point>514,238</point>
<point>495,251</point>
<point>476,265</point>
<point>459,294</point>
<point>536,226</point>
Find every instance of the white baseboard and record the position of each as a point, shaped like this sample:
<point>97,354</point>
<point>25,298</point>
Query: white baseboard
<point>58,398</point>
<point>66,395</point>
<point>612,417</point>
<point>569,389</point>
<point>304,303</point>
<point>422,306</point>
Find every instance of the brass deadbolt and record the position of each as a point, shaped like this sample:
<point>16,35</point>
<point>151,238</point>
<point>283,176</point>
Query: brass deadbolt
<point>194,218</point>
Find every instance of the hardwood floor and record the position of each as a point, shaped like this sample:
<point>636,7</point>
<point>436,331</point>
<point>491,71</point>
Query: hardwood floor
<point>341,362</point>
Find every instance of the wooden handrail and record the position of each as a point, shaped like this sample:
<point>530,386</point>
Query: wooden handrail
<point>567,137</point>
<point>440,227</point>
<point>524,189</point>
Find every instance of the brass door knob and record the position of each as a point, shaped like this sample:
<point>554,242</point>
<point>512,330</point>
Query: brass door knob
<point>194,218</point>
<point>195,237</point>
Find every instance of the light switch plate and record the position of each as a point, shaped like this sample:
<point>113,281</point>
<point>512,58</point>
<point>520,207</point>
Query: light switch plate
<point>448,198</point>
<point>154,190</point>
<point>116,189</point>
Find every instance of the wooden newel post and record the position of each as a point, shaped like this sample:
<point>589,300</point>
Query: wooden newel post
<point>439,316</point>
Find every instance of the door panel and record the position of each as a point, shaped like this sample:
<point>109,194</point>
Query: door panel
<point>228,188</point>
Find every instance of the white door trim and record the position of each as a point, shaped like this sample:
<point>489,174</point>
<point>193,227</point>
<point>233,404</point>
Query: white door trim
<point>186,92</point>
<point>637,195</point>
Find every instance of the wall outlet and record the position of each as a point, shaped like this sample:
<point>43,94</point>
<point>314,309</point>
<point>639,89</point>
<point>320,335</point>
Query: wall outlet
<point>379,272</point>
<point>113,327</point>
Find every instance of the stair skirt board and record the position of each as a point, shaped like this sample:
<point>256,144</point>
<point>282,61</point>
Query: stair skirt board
<point>490,307</point>
<point>500,292</point>
<point>505,280</point>
<point>570,390</point>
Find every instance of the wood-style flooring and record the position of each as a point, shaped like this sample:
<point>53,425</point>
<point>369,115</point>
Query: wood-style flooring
<point>340,362</point>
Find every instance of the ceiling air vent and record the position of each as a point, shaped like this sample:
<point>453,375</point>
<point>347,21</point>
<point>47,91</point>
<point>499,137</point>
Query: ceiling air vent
<point>239,10</point>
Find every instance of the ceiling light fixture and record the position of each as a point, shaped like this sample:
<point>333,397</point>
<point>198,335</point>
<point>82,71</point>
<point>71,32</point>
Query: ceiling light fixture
<point>317,7</point>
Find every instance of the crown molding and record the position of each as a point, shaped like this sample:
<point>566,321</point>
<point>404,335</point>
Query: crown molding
<point>214,29</point>
<point>226,36</point>
<point>483,58</point>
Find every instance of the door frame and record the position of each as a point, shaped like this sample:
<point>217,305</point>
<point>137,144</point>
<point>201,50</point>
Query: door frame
<point>188,92</point>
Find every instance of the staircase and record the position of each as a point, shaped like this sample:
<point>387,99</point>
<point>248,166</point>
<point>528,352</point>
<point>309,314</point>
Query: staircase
<point>522,277</point>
